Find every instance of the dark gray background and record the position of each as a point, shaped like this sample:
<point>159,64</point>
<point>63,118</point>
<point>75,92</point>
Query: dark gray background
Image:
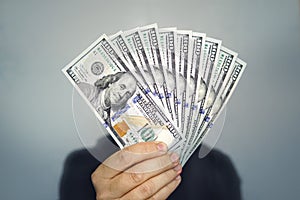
<point>38,38</point>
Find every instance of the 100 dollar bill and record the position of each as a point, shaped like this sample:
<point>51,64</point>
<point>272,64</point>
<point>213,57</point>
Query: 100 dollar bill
<point>211,52</point>
<point>195,86</point>
<point>135,43</point>
<point>120,44</point>
<point>167,39</point>
<point>220,75</point>
<point>183,54</point>
<point>226,92</point>
<point>150,38</point>
<point>113,91</point>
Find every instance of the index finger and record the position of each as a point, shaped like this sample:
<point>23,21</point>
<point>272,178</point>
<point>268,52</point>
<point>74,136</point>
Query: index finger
<point>129,156</point>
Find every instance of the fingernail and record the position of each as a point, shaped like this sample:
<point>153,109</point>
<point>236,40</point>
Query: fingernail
<point>174,157</point>
<point>162,147</point>
<point>177,168</point>
<point>178,178</point>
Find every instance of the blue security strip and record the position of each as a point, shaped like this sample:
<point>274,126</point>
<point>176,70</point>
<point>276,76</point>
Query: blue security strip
<point>161,96</point>
<point>136,98</point>
<point>147,90</point>
<point>206,119</point>
<point>105,125</point>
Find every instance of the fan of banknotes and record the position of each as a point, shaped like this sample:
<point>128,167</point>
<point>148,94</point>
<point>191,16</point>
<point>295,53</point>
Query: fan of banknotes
<point>157,84</point>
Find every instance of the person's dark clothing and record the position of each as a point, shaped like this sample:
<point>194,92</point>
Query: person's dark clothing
<point>211,178</point>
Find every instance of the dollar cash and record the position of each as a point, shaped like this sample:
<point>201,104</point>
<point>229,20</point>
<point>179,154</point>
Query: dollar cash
<point>135,43</point>
<point>211,52</point>
<point>112,90</point>
<point>195,76</point>
<point>120,44</point>
<point>227,91</point>
<point>157,84</point>
<point>150,38</point>
<point>167,39</point>
<point>220,74</point>
<point>183,54</point>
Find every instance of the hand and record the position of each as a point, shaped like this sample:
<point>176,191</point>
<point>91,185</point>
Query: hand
<point>141,171</point>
